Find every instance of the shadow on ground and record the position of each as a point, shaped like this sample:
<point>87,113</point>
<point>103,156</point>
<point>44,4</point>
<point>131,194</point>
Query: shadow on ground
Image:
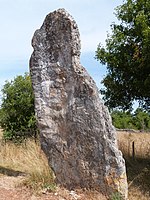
<point>138,173</point>
<point>10,172</point>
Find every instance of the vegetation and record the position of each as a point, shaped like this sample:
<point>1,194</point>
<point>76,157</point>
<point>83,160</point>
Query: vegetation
<point>116,196</point>
<point>127,56</point>
<point>17,159</point>
<point>138,168</point>
<point>28,160</point>
<point>139,120</point>
<point>17,116</point>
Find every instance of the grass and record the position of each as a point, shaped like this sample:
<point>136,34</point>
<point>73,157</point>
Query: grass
<point>138,166</point>
<point>26,159</point>
<point>141,143</point>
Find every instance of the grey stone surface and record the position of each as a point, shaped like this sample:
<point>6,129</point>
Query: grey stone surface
<point>76,131</point>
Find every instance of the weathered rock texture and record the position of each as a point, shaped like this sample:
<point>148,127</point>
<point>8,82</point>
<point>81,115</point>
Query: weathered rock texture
<point>75,127</point>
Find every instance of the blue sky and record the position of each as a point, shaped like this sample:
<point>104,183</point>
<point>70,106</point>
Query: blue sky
<point>20,18</point>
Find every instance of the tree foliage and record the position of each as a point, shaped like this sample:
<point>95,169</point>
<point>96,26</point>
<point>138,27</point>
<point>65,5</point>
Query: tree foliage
<point>139,120</point>
<point>122,120</point>
<point>17,116</point>
<point>127,56</point>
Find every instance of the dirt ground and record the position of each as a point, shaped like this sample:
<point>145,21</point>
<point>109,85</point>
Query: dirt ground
<point>10,189</point>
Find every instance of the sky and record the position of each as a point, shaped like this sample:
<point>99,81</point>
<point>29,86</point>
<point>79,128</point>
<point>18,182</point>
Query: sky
<point>20,18</point>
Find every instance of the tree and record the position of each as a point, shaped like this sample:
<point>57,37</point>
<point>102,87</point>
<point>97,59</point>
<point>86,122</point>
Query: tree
<point>139,119</point>
<point>127,56</point>
<point>142,119</point>
<point>17,116</point>
<point>122,120</point>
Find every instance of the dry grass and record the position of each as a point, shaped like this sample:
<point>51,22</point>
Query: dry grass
<point>138,167</point>
<point>141,143</point>
<point>26,159</point>
<point>29,159</point>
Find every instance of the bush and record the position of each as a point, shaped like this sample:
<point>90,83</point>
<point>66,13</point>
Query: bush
<point>142,119</point>
<point>122,120</point>
<point>17,117</point>
<point>139,120</point>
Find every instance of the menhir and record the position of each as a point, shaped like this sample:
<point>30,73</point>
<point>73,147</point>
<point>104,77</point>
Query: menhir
<point>76,131</point>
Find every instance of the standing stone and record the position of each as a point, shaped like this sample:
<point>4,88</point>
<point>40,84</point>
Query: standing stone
<point>76,131</point>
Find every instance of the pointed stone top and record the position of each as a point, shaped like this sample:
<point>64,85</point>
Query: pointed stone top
<point>59,31</point>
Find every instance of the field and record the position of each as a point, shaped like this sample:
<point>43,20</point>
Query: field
<point>28,167</point>
<point>135,147</point>
<point>141,142</point>
<point>28,162</point>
